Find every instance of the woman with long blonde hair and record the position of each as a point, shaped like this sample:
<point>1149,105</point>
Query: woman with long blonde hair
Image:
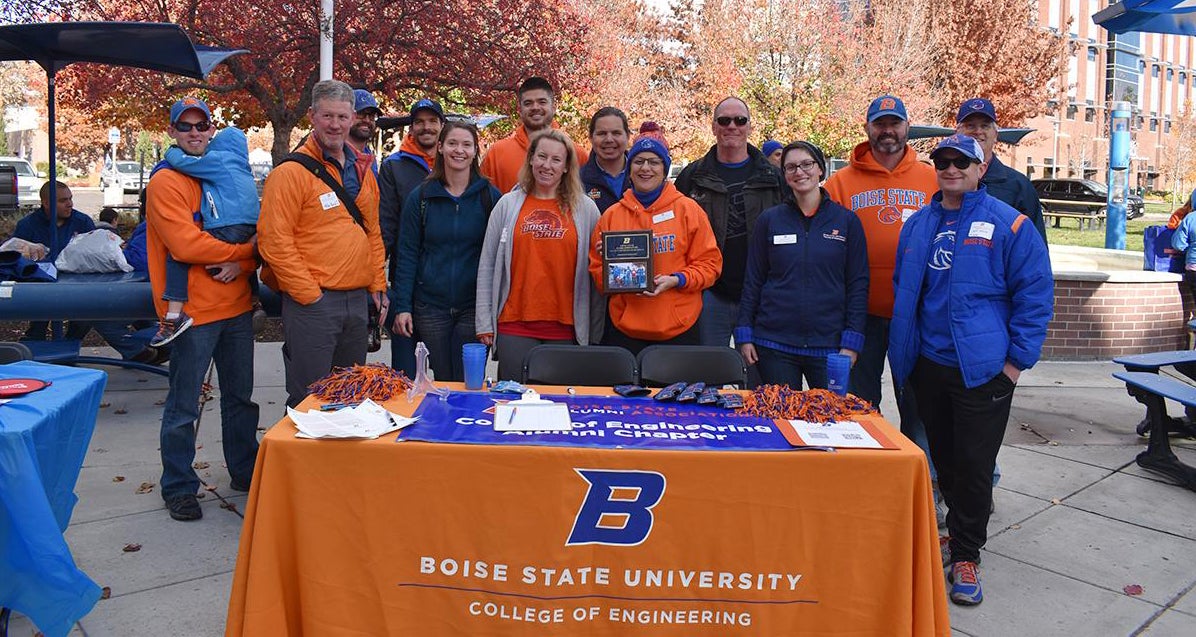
<point>533,283</point>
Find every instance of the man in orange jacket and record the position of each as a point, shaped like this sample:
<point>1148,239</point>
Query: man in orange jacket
<point>222,328</point>
<point>537,109</point>
<point>884,184</point>
<point>327,264</point>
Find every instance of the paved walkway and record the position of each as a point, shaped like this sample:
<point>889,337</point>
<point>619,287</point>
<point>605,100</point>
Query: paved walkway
<point>1076,521</point>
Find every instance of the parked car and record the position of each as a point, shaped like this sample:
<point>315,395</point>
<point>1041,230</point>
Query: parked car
<point>128,174</point>
<point>29,181</point>
<point>1081,196</point>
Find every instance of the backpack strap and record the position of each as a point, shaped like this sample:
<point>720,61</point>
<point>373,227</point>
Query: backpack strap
<point>318,169</point>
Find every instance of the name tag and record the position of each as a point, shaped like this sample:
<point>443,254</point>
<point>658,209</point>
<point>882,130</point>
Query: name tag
<point>906,213</point>
<point>981,229</point>
<point>662,217</point>
<point>784,239</point>
<point>329,200</point>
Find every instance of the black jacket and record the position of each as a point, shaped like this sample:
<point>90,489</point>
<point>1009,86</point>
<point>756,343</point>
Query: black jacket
<point>399,175</point>
<point>596,187</point>
<point>764,189</point>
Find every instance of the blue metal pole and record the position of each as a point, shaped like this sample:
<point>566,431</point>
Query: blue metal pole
<point>1118,177</point>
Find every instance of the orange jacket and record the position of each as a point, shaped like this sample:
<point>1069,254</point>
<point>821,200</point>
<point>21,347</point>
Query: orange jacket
<point>411,146</point>
<point>682,242</point>
<point>308,247</point>
<point>1178,215</point>
<point>172,204</point>
<point>883,200</point>
<point>506,157</point>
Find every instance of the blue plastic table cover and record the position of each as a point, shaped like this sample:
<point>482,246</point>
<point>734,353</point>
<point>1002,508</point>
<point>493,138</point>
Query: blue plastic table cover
<point>43,439</point>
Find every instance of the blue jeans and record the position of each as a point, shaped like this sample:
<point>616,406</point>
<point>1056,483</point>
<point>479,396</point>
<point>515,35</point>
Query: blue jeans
<point>230,344</point>
<point>717,322</point>
<point>444,331</point>
<point>777,367</point>
<point>127,343</point>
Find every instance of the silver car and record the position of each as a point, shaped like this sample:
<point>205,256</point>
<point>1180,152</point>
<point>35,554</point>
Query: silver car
<point>127,174</point>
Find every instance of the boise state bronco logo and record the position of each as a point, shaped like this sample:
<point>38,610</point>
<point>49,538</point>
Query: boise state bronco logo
<point>888,214</point>
<point>594,194</point>
<point>888,104</point>
<point>976,105</point>
<point>543,224</point>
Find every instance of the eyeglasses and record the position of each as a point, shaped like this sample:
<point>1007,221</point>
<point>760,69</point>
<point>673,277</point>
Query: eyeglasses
<point>184,127</point>
<point>641,162</point>
<point>959,161</point>
<point>806,166</point>
<point>725,120</point>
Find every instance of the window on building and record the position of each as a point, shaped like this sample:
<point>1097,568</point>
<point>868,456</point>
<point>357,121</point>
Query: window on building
<point>1091,54</point>
<point>1170,74</point>
<point>1071,111</point>
<point>1166,127</point>
<point>1154,124</point>
<point>1090,115</point>
<point>1154,70</point>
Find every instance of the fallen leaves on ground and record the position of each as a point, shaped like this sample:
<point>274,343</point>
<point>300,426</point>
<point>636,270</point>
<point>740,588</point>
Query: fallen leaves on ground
<point>1056,501</point>
<point>199,465</point>
<point>145,487</point>
<point>105,592</point>
<point>160,402</point>
<point>131,548</point>
<point>1133,589</point>
<point>118,478</point>
<point>209,487</point>
<point>122,410</point>
<point>228,505</point>
<point>105,404</point>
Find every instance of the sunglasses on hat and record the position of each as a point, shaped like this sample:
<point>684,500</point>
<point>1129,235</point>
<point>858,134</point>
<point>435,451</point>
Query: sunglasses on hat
<point>725,120</point>
<point>185,127</point>
<point>959,161</point>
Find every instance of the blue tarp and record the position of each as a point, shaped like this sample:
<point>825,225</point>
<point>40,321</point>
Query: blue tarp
<point>611,422</point>
<point>1149,16</point>
<point>43,439</point>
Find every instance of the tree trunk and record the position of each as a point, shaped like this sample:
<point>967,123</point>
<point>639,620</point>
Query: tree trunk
<point>282,141</point>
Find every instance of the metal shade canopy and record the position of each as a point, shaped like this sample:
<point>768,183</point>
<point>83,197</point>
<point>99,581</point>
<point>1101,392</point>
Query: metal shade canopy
<point>1149,16</point>
<point>146,45</point>
<point>1004,135</point>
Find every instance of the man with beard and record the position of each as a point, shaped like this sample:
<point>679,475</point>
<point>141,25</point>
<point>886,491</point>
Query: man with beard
<point>401,172</point>
<point>365,126</point>
<point>537,110</point>
<point>734,182</point>
<point>884,184</point>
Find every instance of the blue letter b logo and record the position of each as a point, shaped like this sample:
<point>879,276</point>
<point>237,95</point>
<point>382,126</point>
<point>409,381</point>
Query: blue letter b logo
<point>618,507</point>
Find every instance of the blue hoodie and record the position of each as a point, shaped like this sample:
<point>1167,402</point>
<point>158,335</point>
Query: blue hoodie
<point>229,191</point>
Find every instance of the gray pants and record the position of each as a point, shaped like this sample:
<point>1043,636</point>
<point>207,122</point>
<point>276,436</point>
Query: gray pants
<point>328,333</point>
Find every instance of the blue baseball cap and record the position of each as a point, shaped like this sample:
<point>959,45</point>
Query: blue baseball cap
<point>426,104</point>
<point>363,100</point>
<point>188,104</point>
<point>978,105</point>
<point>965,145</point>
<point>887,105</point>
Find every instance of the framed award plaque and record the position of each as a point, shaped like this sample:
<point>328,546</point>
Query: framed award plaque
<point>627,261</point>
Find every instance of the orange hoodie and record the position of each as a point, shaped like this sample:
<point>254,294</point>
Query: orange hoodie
<point>883,200</point>
<point>682,242</point>
<point>308,239</point>
<point>172,200</point>
<point>410,146</point>
<point>505,159</point>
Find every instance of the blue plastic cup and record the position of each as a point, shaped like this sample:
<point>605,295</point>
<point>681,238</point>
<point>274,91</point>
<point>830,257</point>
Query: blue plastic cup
<point>838,372</point>
<point>473,355</point>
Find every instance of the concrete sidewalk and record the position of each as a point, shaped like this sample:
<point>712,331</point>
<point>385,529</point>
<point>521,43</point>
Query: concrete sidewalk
<point>1076,520</point>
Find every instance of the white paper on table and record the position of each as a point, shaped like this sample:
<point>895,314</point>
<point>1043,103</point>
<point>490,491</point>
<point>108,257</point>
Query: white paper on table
<point>367,420</point>
<point>844,434</point>
<point>546,416</point>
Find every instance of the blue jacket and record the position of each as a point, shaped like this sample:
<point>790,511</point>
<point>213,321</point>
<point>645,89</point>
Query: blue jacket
<point>1184,240</point>
<point>1015,189</point>
<point>440,242</point>
<point>135,252</point>
<point>1002,293</point>
<point>35,227</point>
<point>229,191</point>
<point>593,178</point>
<point>805,291</point>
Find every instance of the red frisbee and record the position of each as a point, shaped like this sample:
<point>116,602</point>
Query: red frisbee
<point>11,387</point>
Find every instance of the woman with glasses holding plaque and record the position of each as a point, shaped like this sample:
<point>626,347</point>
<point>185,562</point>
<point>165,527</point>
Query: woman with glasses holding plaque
<point>805,291</point>
<point>533,287</point>
<point>652,254</point>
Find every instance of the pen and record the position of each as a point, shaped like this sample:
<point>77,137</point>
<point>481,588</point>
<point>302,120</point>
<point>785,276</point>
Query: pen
<point>511,417</point>
<point>336,406</point>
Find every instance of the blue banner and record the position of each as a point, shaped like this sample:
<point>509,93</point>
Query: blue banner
<point>599,421</point>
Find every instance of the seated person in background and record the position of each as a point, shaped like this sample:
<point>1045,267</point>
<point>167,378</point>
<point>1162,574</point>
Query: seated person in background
<point>109,220</point>
<point>230,209</point>
<point>36,227</point>
<point>685,257</point>
<point>1181,212</point>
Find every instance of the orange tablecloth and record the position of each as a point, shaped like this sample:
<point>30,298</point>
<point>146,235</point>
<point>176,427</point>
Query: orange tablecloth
<point>384,538</point>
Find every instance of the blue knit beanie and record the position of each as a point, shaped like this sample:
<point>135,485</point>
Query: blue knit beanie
<point>771,146</point>
<point>647,144</point>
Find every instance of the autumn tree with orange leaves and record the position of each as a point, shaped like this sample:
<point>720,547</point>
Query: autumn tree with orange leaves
<point>476,49</point>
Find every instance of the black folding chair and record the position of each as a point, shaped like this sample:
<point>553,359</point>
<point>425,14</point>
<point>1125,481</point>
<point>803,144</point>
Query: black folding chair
<point>593,365</point>
<point>11,352</point>
<point>662,365</point>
